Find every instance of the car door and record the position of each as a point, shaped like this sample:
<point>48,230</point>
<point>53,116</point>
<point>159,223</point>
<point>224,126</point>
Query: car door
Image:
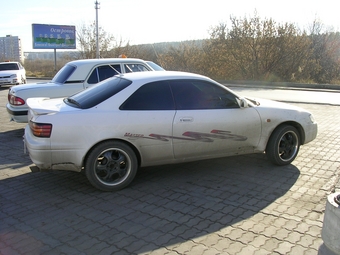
<point>209,121</point>
<point>149,113</point>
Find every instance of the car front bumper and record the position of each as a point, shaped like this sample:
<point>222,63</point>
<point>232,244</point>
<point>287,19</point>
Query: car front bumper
<point>8,81</point>
<point>311,131</point>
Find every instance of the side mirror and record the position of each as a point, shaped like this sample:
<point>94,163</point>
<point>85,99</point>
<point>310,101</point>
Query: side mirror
<point>243,103</point>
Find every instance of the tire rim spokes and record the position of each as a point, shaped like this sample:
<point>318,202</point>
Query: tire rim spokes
<point>112,167</point>
<point>288,146</point>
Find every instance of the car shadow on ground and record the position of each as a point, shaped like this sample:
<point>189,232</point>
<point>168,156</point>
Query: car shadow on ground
<point>12,150</point>
<point>5,87</point>
<point>164,206</point>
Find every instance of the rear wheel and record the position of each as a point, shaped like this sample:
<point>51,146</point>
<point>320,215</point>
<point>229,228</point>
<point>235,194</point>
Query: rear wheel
<point>283,145</point>
<point>111,166</point>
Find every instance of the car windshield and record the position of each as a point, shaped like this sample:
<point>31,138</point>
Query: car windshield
<point>97,93</point>
<point>9,66</point>
<point>63,74</point>
<point>155,66</point>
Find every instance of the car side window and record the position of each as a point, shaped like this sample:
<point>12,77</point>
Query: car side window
<point>151,96</point>
<point>101,73</point>
<point>130,68</point>
<point>198,94</point>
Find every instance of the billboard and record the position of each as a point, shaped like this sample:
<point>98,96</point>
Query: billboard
<point>53,36</point>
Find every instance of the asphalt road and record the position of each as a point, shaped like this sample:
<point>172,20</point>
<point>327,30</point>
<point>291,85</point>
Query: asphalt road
<point>235,205</point>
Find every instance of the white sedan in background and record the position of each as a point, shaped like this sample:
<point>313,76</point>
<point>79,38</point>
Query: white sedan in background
<point>12,73</point>
<point>153,118</point>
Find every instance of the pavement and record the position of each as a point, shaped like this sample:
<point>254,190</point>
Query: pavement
<point>233,205</point>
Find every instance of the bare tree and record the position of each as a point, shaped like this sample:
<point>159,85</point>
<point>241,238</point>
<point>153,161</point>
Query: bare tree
<point>86,36</point>
<point>259,49</point>
<point>326,54</point>
<point>184,56</point>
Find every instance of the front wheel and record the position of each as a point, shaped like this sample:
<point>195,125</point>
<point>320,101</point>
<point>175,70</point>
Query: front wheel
<point>111,166</point>
<point>283,145</point>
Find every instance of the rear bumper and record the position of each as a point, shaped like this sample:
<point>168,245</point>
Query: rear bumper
<point>40,152</point>
<point>17,115</point>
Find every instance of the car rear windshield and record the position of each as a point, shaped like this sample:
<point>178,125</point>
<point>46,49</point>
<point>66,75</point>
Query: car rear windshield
<point>155,66</point>
<point>97,93</point>
<point>9,66</point>
<point>63,74</point>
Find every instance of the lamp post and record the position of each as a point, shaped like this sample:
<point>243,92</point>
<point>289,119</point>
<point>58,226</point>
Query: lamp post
<point>96,6</point>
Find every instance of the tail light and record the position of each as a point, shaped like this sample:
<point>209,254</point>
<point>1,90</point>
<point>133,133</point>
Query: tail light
<point>13,100</point>
<point>41,129</point>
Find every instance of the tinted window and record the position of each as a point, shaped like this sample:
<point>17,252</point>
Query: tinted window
<point>103,72</point>
<point>64,73</point>
<point>151,96</point>
<point>9,66</point>
<point>97,93</point>
<point>129,68</point>
<point>197,94</point>
<point>155,66</point>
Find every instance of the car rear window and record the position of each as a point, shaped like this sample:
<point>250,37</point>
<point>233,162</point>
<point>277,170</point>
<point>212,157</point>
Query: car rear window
<point>63,74</point>
<point>155,66</point>
<point>97,93</point>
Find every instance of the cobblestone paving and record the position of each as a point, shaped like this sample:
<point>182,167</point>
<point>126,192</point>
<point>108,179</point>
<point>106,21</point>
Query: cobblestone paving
<point>235,205</point>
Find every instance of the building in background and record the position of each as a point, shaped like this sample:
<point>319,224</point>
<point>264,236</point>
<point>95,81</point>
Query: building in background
<point>49,55</point>
<point>10,49</point>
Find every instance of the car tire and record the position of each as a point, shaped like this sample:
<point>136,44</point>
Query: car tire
<point>283,145</point>
<point>111,166</point>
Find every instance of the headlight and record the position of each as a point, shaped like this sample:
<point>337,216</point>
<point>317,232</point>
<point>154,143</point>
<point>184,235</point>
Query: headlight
<point>13,76</point>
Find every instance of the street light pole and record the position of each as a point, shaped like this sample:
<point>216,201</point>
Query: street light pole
<point>97,40</point>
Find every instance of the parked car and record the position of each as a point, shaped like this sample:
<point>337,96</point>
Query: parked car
<point>12,73</point>
<point>72,78</point>
<point>152,118</point>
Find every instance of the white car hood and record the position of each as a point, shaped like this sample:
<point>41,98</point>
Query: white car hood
<point>9,72</point>
<point>270,104</point>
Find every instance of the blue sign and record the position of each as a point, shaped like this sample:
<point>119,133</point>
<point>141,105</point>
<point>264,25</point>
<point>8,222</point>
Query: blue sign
<point>53,36</point>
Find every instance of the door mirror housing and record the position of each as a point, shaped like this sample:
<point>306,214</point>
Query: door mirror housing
<point>243,102</point>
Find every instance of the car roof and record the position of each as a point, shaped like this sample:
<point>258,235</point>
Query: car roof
<point>137,76</point>
<point>106,60</point>
<point>10,62</point>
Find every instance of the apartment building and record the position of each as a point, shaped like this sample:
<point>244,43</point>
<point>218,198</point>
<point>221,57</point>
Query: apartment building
<point>10,49</point>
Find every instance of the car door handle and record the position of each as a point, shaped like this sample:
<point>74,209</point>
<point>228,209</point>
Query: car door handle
<point>186,119</point>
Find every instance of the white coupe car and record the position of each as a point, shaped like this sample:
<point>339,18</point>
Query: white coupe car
<point>72,78</point>
<point>153,118</point>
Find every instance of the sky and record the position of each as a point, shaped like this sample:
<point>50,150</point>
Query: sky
<point>153,21</point>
